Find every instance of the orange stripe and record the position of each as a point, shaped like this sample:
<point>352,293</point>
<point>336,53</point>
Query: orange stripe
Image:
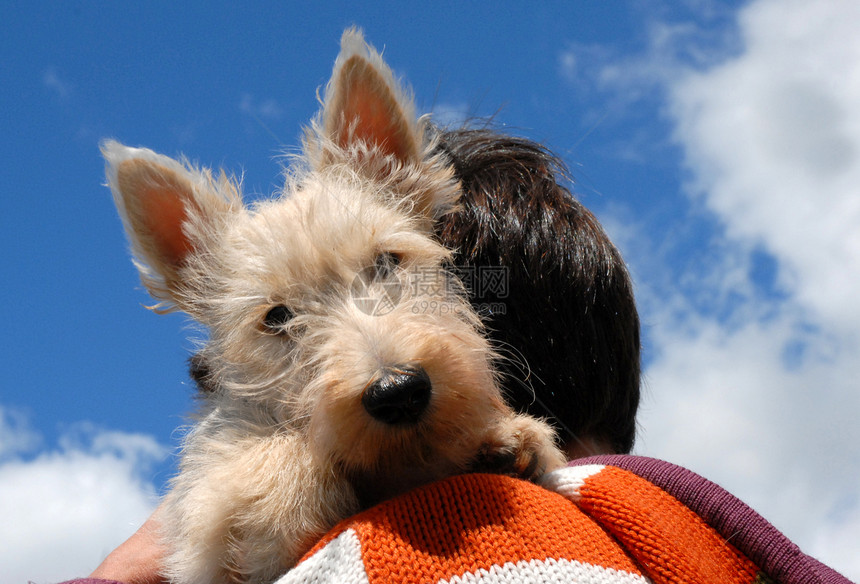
<point>672,543</point>
<point>471,522</point>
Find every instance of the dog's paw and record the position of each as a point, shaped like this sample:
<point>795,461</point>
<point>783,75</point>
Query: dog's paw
<point>519,446</point>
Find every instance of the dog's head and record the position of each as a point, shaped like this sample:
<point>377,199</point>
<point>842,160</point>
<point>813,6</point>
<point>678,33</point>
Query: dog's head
<point>328,308</point>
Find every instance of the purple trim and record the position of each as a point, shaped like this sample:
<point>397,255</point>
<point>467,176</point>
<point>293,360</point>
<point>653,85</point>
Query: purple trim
<point>748,531</point>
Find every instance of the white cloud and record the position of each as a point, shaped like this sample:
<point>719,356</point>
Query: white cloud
<point>266,109</point>
<point>628,78</point>
<point>451,115</point>
<point>16,436</point>
<point>757,385</point>
<point>773,137</point>
<point>65,509</point>
<point>53,82</point>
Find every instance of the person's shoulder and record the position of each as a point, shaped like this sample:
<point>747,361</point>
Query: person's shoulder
<point>652,494</point>
<point>466,527</point>
<point>602,519</point>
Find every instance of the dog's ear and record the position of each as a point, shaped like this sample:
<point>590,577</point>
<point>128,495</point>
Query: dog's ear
<point>364,103</point>
<point>169,211</point>
<point>368,121</point>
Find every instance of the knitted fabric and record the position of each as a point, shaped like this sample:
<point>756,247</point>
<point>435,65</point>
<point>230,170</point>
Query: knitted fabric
<point>603,520</point>
<point>587,524</point>
<point>760,541</point>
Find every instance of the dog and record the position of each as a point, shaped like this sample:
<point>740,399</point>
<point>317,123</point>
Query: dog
<point>343,362</point>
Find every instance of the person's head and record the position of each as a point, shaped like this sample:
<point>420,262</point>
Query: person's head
<point>563,311</point>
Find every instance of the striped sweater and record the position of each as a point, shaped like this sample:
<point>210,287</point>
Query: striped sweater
<point>605,520</point>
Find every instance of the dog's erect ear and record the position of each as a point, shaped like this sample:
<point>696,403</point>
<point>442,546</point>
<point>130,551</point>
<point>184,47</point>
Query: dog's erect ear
<point>168,210</point>
<point>368,121</point>
<point>364,103</point>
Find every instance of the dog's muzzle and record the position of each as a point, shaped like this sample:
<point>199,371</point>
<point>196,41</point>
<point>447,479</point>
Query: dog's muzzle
<point>399,396</point>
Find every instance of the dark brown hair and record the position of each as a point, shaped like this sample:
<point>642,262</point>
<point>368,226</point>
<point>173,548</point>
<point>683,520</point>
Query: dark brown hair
<point>566,318</point>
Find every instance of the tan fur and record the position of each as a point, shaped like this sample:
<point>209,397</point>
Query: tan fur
<point>283,447</point>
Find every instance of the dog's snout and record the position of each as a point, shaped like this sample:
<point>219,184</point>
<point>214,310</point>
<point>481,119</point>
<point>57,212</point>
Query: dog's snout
<point>399,396</point>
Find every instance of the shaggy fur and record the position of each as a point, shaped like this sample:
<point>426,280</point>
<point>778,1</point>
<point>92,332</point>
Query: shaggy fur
<point>343,363</point>
<point>568,320</point>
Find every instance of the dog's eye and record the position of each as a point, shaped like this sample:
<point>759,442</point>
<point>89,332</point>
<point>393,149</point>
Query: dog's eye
<point>385,264</point>
<point>276,318</point>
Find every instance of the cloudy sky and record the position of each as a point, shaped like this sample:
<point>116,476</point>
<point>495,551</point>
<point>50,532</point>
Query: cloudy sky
<point>718,142</point>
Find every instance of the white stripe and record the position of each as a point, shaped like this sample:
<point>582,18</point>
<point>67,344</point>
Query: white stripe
<point>534,571</point>
<point>568,481</point>
<point>339,561</point>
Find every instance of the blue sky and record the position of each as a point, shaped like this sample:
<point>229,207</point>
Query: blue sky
<point>718,142</point>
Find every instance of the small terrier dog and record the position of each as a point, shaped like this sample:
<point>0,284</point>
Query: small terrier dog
<point>343,363</point>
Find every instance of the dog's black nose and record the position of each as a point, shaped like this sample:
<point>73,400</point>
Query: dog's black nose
<point>399,396</point>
